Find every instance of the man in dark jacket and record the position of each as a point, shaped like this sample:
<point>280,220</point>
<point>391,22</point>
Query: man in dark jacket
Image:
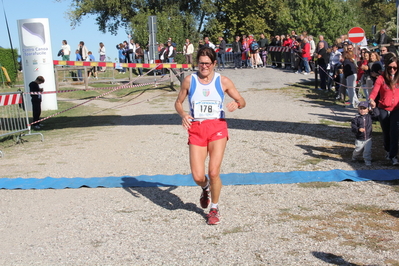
<point>237,52</point>
<point>221,52</point>
<point>36,100</point>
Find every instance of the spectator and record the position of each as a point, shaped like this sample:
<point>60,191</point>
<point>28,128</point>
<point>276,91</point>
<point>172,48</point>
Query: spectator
<point>263,44</point>
<point>208,43</point>
<point>375,66</point>
<point>244,50</point>
<point>322,61</point>
<point>163,55</point>
<point>363,71</point>
<point>350,74</point>
<point>362,127</point>
<point>312,52</point>
<point>384,52</point>
<point>171,52</point>
<point>66,49</point>
<point>221,53</point>
<point>36,100</point>
<point>276,56</point>
<point>188,50</point>
<point>321,39</point>
<point>131,51</point>
<point>254,49</point>
<point>140,56</point>
<point>305,55</point>
<point>200,44</point>
<point>334,63</point>
<point>92,70</point>
<point>102,53</point>
<point>121,56</point>
<point>386,88</point>
<point>172,42</point>
<point>237,52</point>
<point>382,37</point>
<point>392,48</point>
<point>79,58</point>
<point>287,55</point>
<point>83,50</point>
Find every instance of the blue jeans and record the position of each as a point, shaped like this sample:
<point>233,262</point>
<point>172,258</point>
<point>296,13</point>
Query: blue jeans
<point>237,60</point>
<point>305,65</point>
<point>138,61</point>
<point>171,59</point>
<point>123,70</point>
<point>221,56</point>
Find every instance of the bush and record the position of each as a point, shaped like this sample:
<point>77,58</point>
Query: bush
<point>9,61</point>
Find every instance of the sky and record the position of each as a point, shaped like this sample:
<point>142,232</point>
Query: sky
<point>60,28</point>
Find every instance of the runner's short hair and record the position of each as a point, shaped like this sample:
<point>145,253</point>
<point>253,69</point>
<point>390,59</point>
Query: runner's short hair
<point>207,51</point>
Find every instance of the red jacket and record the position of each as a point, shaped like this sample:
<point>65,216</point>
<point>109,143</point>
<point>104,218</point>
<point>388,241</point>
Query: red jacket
<point>306,51</point>
<point>287,42</point>
<point>389,99</point>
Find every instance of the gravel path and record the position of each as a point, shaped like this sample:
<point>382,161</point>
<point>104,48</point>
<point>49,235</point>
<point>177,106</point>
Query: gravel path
<point>342,223</point>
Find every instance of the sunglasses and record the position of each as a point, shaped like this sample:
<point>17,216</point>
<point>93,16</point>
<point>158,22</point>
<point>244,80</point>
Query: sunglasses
<point>394,68</point>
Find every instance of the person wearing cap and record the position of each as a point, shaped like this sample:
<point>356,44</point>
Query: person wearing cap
<point>362,127</point>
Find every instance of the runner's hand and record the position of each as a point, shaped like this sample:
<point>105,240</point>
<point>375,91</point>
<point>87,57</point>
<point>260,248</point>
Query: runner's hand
<point>232,106</point>
<point>186,121</point>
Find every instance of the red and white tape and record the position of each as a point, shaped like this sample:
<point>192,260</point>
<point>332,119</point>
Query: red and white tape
<point>10,99</point>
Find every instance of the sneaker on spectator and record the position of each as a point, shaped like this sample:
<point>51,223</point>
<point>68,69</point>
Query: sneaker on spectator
<point>204,199</point>
<point>394,161</point>
<point>368,163</point>
<point>213,217</point>
<point>297,72</point>
<point>305,73</point>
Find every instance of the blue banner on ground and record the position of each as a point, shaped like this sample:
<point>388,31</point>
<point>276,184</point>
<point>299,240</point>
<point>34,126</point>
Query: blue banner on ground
<point>186,180</point>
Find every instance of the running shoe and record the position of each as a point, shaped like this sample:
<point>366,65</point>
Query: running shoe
<point>213,217</point>
<point>204,199</point>
<point>394,161</point>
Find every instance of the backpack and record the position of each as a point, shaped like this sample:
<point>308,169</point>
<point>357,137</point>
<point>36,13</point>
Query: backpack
<point>254,46</point>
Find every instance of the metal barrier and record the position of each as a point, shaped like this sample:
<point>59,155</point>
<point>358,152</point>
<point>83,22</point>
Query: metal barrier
<point>279,55</point>
<point>14,116</point>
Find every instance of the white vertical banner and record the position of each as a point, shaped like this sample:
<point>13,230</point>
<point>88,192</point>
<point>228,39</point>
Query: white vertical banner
<point>37,59</point>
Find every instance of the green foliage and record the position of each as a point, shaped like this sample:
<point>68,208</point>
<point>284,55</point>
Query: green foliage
<point>9,61</point>
<point>170,23</point>
<point>330,18</point>
<point>181,19</point>
<point>375,12</point>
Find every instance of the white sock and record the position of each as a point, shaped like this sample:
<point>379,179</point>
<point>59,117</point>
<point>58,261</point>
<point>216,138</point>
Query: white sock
<point>214,205</point>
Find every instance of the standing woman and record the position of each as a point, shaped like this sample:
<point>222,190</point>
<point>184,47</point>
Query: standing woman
<point>350,74</point>
<point>84,53</point>
<point>67,51</point>
<point>387,88</point>
<point>206,126</point>
<point>364,74</point>
<point>102,54</point>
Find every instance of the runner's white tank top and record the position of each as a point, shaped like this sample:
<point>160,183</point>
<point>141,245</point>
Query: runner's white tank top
<point>206,100</point>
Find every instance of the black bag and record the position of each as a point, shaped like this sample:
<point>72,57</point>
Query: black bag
<point>60,53</point>
<point>74,76</point>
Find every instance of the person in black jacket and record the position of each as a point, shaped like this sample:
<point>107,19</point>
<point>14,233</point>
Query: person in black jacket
<point>362,127</point>
<point>36,100</point>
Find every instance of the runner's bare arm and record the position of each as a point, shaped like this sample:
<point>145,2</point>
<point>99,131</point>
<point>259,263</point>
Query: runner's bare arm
<point>186,118</point>
<point>232,91</point>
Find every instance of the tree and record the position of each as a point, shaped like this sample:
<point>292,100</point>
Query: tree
<point>374,12</point>
<point>330,18</point>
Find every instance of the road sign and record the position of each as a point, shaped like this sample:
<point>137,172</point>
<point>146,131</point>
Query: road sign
<point>356,35</point>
